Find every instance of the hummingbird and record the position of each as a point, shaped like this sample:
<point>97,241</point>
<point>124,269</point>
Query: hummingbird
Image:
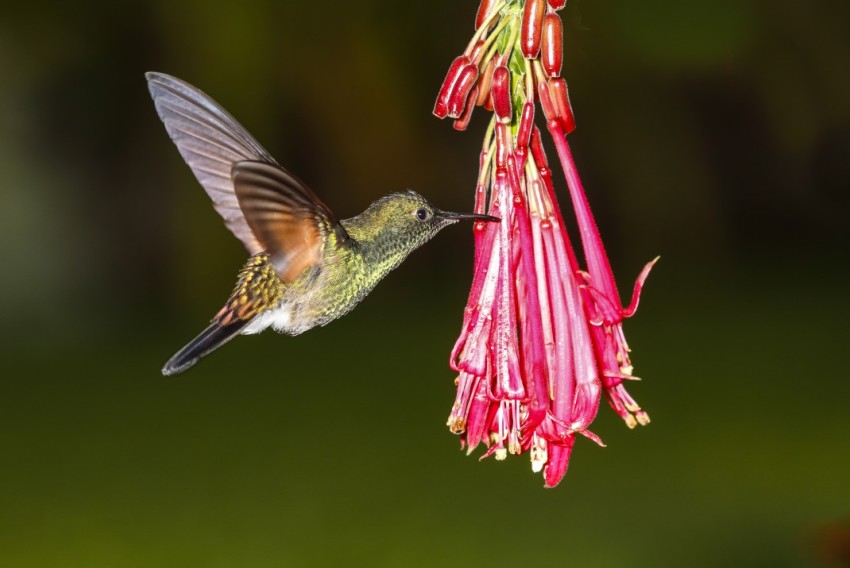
<point>306,268</point>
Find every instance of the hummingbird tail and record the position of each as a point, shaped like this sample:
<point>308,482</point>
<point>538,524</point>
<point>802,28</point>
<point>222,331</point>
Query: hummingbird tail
<point>205,343</point>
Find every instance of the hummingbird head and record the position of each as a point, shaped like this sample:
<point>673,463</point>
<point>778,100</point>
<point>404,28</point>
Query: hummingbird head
<point>405,221</point>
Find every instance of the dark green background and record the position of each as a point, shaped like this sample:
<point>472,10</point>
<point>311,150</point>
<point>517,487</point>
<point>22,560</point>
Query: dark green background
<point>715,133</point>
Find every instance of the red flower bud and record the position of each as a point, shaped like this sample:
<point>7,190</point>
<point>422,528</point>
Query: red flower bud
<point>537,150</point>
<point>501,90</point>
<point>483,12</point>
<point>561,100</point>
<point>463,86</point>
<point>532,22</point>
<point>551,53</point>
<point>462,122</point>
<point>441,107</point>
<point>549,110</point>
<point>556,4</point>
<point>484,83</point>
<point>526,122</point>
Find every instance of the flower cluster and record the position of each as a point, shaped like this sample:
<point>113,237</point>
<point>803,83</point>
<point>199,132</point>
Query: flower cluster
<point>542,337</point>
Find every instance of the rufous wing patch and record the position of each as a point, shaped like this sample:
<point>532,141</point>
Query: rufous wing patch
<point>286,217</point>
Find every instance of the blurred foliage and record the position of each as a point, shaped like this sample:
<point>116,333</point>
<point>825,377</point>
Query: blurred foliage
<point>715,133</point>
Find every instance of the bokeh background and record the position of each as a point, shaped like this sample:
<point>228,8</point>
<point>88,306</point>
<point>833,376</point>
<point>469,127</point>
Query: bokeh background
<point>715,133</point>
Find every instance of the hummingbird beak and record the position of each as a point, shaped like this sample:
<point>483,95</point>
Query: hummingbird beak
<point>448,215</point>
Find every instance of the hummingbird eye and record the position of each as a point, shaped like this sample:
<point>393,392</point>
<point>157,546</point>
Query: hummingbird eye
<point>423,214</point>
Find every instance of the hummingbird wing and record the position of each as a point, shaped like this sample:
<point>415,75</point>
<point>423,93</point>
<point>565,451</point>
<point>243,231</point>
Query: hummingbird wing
<point>288,219</point>
<point>211,142</point>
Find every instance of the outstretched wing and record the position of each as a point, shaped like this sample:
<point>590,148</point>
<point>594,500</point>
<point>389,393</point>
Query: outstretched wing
<point>287,218</point>
<point>211,142</point>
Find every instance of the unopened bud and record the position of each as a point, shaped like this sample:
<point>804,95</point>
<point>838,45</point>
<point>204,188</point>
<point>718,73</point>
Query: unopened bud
<point>463,86</point>
<point>526,123</point>
<point>549,110</point>
<point>551,48</point>
<point>483,11</point>
<point>561,100</point>
<point>484,83</point>
<point>556,4</point>
<point>532,22</point>
<point>537,151</point>
<point>441,107</point>
<point>501,91</point>
<point>462,122</point>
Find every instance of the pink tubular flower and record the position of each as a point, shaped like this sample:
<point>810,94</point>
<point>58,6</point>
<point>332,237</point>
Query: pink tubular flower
<point>542,337</point>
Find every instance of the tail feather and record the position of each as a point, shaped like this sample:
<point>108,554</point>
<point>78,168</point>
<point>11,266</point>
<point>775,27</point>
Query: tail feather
<point>205,343</point>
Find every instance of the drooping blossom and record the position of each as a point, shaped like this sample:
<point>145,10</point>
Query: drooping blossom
<point>542,336</point>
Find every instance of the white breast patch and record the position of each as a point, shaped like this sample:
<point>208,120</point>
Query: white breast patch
<point>278,318</point>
